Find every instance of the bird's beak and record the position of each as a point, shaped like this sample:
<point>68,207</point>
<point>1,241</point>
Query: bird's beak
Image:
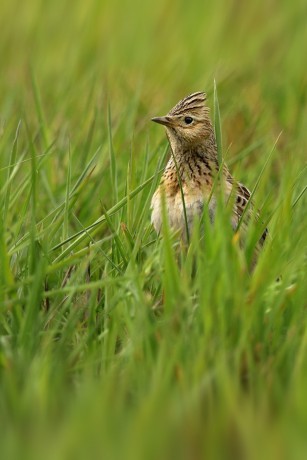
<point>162,120</point>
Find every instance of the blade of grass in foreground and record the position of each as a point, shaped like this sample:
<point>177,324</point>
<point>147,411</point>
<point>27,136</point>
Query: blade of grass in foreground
<point>39,109</point>
<point>12,162</point>
<point>257,183</point>
<point>217,126</point>
<point>112,158</point>
<point>33,203</point>
<point>299,196</point>
<point>182,199</point>
<point>66,206</point>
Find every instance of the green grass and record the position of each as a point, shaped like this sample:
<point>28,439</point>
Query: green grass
<point>90,366</point>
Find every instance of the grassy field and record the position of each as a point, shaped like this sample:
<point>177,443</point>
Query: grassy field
<point>90,365</point>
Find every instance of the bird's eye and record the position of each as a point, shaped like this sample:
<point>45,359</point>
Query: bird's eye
<point>188,120</point>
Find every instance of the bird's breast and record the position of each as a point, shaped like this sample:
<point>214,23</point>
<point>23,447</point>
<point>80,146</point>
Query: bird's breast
<point>194,201</point>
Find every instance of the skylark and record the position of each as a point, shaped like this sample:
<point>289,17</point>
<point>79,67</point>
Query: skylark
<point>189,179</point>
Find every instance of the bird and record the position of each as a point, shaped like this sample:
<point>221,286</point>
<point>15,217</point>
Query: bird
<point>188,184</point>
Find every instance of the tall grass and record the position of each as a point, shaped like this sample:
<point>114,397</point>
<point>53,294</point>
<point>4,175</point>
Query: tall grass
<point>114,342</point>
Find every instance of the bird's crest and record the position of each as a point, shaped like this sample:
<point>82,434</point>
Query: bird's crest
<point>193,104</point>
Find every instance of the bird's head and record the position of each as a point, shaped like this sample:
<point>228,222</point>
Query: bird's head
<point>188,123</point>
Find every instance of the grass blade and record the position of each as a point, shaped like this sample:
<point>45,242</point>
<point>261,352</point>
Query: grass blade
<point>217,126</point>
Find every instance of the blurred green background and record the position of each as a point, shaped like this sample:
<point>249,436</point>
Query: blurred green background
<point>86,369</point>
<point>158,52</point>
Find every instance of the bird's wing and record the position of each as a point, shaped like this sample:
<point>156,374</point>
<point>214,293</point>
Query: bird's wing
<point>242,200</point>
<point>243,196</point>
